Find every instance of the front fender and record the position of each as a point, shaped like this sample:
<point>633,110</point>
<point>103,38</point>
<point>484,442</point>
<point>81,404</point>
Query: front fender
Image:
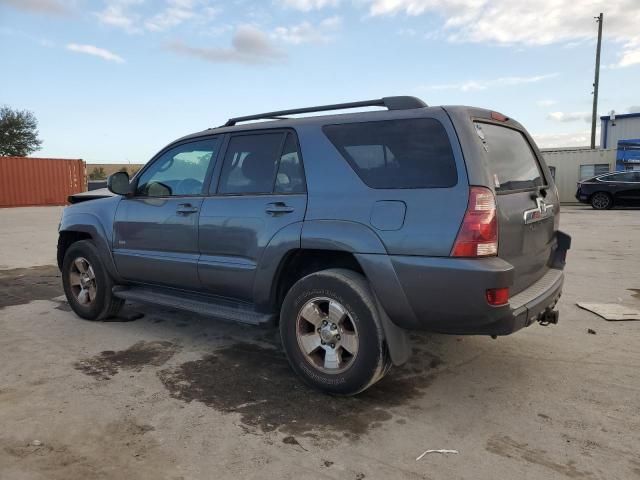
<point>90,224</point>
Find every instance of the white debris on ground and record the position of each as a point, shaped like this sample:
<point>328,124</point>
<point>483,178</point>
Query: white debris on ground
<point>445,451</point>
<point>612,311</point>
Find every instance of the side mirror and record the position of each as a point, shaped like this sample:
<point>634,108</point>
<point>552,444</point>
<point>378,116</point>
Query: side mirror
<point>118,183</point>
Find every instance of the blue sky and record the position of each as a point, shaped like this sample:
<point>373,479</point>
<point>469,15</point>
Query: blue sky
<point>116,80</point>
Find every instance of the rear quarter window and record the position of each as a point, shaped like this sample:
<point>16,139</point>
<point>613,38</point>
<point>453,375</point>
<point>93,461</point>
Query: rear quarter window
<point>513,164</point>
<point>409,153</point>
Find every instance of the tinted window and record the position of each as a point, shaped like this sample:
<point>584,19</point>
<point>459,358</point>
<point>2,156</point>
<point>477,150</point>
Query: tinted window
<point>620,177</point>
<point>179,171</point>
<point>290,177</point>
<point>250,163</point>
<point>512,162</point>
<point>412,153</point>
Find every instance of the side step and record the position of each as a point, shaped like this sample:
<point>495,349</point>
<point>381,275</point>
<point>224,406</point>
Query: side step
<point>207,305</point>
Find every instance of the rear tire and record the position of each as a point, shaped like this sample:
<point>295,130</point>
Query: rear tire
<point>601,201</point>
<point>87,283</point>
<point>331,332</point>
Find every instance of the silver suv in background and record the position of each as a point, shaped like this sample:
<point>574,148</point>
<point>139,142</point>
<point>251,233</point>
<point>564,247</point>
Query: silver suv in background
<point>345,230</point>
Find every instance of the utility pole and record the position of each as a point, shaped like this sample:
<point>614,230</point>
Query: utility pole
<point>594,116</point>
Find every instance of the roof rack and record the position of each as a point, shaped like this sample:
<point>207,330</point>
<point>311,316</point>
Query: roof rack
<point>392,103</point>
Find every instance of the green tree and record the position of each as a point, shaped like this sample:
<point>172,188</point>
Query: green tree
<point>18,132</point>
<point>98,173</point>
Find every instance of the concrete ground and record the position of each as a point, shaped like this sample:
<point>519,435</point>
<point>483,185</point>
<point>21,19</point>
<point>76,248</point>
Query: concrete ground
<point>178,396</point>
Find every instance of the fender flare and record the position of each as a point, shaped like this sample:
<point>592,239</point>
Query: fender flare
<point>341,236</point>
<point>90,224</point>
<point>286,240</point>
<point>372,256</point>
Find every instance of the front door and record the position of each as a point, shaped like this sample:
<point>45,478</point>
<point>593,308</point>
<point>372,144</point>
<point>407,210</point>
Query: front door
<point>261,190</point>
<point>156,229</point>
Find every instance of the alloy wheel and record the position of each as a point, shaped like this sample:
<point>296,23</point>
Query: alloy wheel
<point>327,335</point>
<point>82,280</point>
<point>601,201</point>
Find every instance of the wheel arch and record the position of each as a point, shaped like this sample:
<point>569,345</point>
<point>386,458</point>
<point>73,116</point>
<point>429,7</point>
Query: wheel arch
<point>84,226</point>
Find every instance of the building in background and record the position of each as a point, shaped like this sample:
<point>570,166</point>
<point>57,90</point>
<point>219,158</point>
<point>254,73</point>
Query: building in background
<point>571,165</point>
<point>622,132</point>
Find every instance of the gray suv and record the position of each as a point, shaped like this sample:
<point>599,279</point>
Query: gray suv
<point>345,230</point>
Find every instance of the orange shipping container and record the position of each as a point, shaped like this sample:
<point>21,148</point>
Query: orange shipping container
<point>26,181</point>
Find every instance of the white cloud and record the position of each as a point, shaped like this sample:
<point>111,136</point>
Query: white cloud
<point>307,5</point>
<point>96,52</point>
<point>54,7</point>
<point>574,139</point>
<point>249,45</point>
<point>532,22</point>
<point>125,14</point>
<point>566,117</point>
<point>634,109</point>
<point>475,85</point>
<point>630,54</point>
<point>307,32</point>
<point>117,13</point>
<point>546,103</point>
<point>176,12</point>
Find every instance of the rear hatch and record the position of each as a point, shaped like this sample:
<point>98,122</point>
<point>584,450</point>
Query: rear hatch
<point>526,199</point>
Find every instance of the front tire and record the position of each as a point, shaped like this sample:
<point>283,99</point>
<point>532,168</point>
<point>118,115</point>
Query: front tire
<point>601,201</point>
<point>331,333</point>
<point>87,283</point>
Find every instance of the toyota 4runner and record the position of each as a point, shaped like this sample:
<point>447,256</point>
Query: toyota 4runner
<point>345,230</point>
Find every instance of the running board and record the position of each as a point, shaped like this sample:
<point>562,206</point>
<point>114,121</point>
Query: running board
<point>207,305</point>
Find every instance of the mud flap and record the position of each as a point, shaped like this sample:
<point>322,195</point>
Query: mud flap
<point>396,338</point>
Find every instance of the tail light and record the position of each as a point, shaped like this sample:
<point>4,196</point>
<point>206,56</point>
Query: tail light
<point>478,235</point>
<point>498,296</point>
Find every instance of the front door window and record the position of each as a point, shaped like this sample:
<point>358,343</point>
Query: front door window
<point>180,171</point>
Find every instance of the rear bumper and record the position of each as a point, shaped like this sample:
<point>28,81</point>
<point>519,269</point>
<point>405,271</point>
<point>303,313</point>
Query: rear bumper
<point>531,304</point>
<point>448,295</point>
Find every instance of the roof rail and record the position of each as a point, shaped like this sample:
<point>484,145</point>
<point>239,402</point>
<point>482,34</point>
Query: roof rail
<point>392,103</point>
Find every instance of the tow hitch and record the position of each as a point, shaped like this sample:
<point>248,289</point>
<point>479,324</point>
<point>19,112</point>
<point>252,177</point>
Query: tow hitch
<point>548,316</point>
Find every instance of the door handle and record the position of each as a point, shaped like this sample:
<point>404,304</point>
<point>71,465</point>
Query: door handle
<point>276,208</point>
<point>186,209</point>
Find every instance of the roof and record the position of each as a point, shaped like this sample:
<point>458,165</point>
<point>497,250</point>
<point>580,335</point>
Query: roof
<point>41,158</point>
<point>622,115</point>
<point>314,120</point>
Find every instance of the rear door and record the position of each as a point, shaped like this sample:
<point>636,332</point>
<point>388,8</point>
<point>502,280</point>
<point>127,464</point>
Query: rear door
<point>526,201</point>
<point>261,190</point>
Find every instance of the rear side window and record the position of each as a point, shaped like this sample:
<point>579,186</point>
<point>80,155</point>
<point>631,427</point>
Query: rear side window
<point>290,177</point>
<point>409,153</point>
<point>512,162</point>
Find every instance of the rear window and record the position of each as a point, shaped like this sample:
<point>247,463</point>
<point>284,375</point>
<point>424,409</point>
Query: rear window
<point>410,153</point>
<point>512,162</point>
